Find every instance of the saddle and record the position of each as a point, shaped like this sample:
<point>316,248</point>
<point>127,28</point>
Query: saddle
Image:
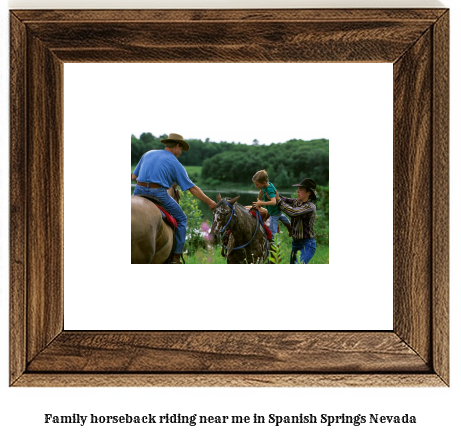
<point>264,213</point>
<point>165,215</point>
<point>154,200</point>
<point>264,216</point>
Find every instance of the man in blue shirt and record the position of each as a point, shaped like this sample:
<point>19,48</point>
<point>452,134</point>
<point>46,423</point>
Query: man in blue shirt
<point>155,174</point>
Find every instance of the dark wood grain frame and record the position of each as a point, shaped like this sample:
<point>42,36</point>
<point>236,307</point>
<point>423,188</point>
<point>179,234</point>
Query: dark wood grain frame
<point>414,353</point>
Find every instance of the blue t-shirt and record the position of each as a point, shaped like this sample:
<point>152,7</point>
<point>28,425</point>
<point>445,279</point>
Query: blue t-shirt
<point>162,167</point>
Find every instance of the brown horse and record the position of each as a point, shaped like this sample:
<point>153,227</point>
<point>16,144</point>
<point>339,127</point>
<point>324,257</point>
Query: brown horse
<point>247,241</point>
<point>151,237</point>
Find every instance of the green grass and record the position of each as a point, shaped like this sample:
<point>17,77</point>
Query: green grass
<point>322,255</point>
<point>194,173</point>
<point>212,255</point>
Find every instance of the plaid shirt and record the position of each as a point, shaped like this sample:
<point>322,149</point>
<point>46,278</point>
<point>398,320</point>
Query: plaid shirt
<point>302,216</point>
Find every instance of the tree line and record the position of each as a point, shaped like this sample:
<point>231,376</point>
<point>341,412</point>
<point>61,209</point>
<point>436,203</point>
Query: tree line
<point>237,163</point>
<point>199,151</point>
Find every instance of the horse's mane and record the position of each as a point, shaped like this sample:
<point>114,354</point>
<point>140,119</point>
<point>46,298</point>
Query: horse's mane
<point>242,208</point>
<point>237,205</point>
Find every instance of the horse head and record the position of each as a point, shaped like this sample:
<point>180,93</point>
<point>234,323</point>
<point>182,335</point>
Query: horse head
<point>223,213</point>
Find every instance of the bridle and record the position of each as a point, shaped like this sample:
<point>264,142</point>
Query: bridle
<point>232,215</point>
<point>259,221</point>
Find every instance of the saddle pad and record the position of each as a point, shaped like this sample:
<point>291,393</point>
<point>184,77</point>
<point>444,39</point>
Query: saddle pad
<point>264,213</point>
<point>268,232</point>
<point>168,218</point>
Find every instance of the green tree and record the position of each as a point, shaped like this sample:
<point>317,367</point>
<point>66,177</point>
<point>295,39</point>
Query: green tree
<point>282,180</point>
<point>228,162</point>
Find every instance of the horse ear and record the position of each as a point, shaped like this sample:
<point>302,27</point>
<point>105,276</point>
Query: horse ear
<point>218,197</point>
<point>234,199</point>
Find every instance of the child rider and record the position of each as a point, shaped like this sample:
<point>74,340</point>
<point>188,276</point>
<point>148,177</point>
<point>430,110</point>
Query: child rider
<point>267,193</point>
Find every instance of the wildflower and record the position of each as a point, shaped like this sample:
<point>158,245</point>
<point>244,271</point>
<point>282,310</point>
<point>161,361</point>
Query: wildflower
<point>205,229</point>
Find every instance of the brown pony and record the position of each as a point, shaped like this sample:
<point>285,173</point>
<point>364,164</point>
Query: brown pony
<point>247,241</point>
<point>151,238</point>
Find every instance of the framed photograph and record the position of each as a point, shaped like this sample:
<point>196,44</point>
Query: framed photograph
<point>414,353</point>
<point>275,103</point>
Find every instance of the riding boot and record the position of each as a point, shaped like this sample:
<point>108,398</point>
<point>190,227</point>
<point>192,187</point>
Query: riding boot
<point>288,226</point>
<point>176,258</point>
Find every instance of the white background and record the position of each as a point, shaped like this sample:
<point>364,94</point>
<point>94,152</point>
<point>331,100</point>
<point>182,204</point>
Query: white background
<point>436,410</point>
<point>351,104</point>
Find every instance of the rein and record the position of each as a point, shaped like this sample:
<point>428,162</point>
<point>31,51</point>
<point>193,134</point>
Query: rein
<point>233,215</point>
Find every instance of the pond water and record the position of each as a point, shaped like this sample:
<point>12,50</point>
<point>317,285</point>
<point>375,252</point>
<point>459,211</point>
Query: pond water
<point>246,199</point>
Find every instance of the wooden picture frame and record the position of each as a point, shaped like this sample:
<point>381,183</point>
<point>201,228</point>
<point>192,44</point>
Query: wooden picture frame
<point>414,353</point>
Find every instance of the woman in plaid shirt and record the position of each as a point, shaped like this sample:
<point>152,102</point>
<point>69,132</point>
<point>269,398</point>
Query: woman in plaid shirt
<point>302,212</point>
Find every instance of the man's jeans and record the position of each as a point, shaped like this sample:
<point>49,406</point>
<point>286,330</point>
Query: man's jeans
<point>307,248</point>
<point>173,209</point>
<point>274,222</point>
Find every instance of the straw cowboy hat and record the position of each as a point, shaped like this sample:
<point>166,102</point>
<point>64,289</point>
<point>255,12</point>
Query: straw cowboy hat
<point>178,139</point>
<point>310,185</point>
